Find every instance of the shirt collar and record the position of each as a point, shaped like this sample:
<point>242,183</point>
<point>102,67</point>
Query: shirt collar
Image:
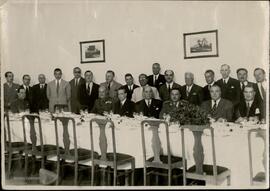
<point>24,86</point>
<point>123,102</point>
<point>217,101</point>
<point>250,102</point>
<point>146,101</point>
<point>59,80</point>
<point>169,84</point>
<point>156,76</point>
<point>226,79</point>
<point>189,87</point>
<point>212,83</point>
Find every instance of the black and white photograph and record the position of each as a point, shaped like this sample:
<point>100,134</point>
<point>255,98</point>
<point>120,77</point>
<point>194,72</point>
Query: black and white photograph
<point>133,94</point>
<point>201,44</point>
<point>92,51</point>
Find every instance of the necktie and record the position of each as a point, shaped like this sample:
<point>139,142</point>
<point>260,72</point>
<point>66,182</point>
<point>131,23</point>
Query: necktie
<point>169,88</point>
<point>27,92</point>
<point>76,82</point>
<point>148,103</point>
<point>187,92</point>
<point>130,88</point>
<point>243,86</point>
<point>248,108</point>
<point>214,108</point>
<point>109,86</point>
<point>57,88</point>
<point>209,87</point>
<point>155,79</point>
<point>89,90</point>
<point>224,82</point>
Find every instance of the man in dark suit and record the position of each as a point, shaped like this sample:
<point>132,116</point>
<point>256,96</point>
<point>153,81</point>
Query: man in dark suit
<point>210,80</point>
<point>171,104</point>
<point>261,85</point>
<point>88,92</point>
<point>230,87</point>
<point>157,79</point>
<point>10,90</point>
<point>242,75</point>
<point>149,106</point>
<point>250,107</point>
<point>74,85</point>
<point>28,91</point>
<point>165,89</point>
<point>191,92</point>
<point>40,99</point>
<point>130,86</point>
<point>218,108</point>
<point>123,106</point>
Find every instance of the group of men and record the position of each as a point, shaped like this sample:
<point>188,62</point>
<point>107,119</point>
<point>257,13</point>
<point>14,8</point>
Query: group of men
<point>226,99</point>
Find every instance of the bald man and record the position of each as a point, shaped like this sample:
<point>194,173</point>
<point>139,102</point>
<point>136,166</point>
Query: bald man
<point>40,99</point>
<point>230,87</point>
<point>191,92</point>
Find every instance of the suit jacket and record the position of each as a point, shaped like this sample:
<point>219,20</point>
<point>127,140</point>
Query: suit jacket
<point>231,90</point>
<point>159,82</point>
<point>224,109</point>
<point>129,93</point>
<point>62,98</point>
<point>195,95</point>
<point>87,101</point>
<point>206,92</point>
<point>152,111</point>
<point>40,98</point>
<point>10,94</point>
<point>138,94</point>
<point>164,92</point>
<point>102,105</point>
<point>168,106</point>
<point>126,110</point>
<point>256,109</point>
<point>260,98</point>
<point>74,100</point>
<point>29,97</point>
<point>113,89</point>
<point>19,106</point>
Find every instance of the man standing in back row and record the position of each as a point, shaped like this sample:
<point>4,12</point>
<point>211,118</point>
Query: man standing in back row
<point>156,80</point>
<point>40,100</point>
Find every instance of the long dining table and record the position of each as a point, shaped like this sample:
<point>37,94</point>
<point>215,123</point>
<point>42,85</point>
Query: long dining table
<point>231,141</point>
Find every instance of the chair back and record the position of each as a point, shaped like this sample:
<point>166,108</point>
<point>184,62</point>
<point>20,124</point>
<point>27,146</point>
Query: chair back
<point>154,125</point>
<point>60,107</point>
<point>66,137</point>
<point>262,134</point>
<point>103,143</point>
<point>197,131</point>
<point>33,134</point>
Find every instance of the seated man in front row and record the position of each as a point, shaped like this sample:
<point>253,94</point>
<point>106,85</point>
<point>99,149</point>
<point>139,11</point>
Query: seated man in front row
<point>21,104</point>
<point>104,103</point>
<point>250,107</point>
<point>174,102</point>
<point>218,108</point>
<point>149,106</point>
<point>123,106</point>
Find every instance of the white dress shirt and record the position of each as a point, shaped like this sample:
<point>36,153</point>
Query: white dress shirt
<point>56,82</point>
<point>226,80</point>
<point>90,86</point>
<point>123,102</point>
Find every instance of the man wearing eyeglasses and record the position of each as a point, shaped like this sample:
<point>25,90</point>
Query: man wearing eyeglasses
<point>75,83</point>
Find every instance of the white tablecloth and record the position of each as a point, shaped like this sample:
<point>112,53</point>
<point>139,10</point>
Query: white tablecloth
<point>231,146</point>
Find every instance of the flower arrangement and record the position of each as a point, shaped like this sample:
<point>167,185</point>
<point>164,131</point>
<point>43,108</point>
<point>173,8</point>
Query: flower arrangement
<point>188,114</point>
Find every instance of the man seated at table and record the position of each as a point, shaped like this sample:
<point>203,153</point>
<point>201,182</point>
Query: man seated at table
<point>123,106</point>
<point>149,106</point>
<point>250,108</point>
<point>104,103</point>
<point>21,104</point>
<point>174,102</point>
<point>218,108</point>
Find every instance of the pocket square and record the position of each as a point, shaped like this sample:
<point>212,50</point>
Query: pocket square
<point>194,93</point>
<point>232,86</point>
<point>257,111</point>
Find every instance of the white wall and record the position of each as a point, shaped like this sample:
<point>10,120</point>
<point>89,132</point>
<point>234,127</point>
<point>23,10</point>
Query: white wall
<point>38,36</point>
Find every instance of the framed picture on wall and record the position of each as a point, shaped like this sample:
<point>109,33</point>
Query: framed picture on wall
<point>201,44</point>
<point>92,51</point>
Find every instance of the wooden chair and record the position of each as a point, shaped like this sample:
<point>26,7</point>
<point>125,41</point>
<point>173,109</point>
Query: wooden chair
<point>41,150</point>
<point>159,161</point>
<point>109,159</point>
<point>259,178</point>
<point>75,155</point>
<point>60,107</point>
<point>212,174</point>
<point>11,147</point>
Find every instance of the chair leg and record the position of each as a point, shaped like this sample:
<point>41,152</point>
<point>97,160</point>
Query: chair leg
<point>58,171</point>
<point>156,177</point>
<point>144,175</point>
<point>109,176</point>
<point>76,173</point>
<point>169,177</point>
<point>126,178</point>
<point>114,176</point>
<point>42,161</point>
<point>9,164</point>
<point>92,174</point>
<point>26,166</point>
<point>229,180</point>
<point>132,172</point>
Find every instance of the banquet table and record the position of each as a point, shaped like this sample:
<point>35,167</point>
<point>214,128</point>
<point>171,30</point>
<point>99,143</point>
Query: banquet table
<point>231,141</point>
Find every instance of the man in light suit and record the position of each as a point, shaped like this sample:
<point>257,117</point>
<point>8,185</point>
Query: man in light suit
<point>111,84</point>
<point>157,79</point>
<point>191,92</point>
<point>88,92</point>
<point>165,89</point>
<point>138,92</point>
<point>58,91</point>
<point>74,85</point>
<point>149,106</point>
<point>218,108</point>
<point>130,86</point>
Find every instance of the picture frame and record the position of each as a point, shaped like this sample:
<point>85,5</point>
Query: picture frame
<point>201,44</point>
<point>92,51</point>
